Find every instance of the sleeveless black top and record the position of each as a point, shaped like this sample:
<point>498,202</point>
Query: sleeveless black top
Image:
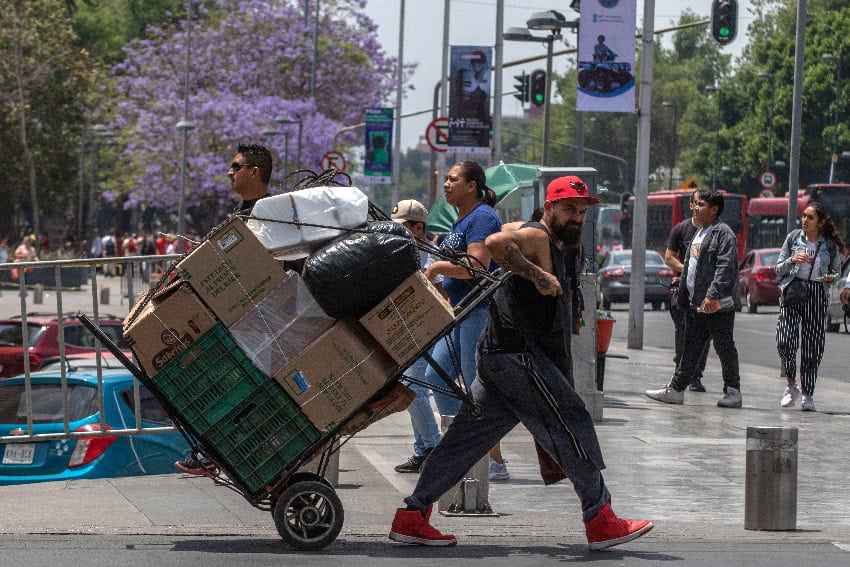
<point>520,315</point>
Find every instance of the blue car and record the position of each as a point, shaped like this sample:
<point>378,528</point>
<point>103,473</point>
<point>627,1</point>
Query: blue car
<point>82,457</point>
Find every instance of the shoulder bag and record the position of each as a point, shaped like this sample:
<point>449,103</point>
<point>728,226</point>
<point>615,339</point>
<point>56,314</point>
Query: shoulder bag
<point>797,291</point>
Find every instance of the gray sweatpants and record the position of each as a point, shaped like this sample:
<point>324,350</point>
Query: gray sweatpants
<point>508,388</point>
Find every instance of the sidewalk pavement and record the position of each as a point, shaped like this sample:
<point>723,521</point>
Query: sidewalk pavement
<point>681,466</point>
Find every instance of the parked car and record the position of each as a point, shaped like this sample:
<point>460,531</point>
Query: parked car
<point>614,279</point>
<point>836,313</point>
<point>83,457</point>
<point>757,281</point>
<point>80,361</point>
<point>43,336</point>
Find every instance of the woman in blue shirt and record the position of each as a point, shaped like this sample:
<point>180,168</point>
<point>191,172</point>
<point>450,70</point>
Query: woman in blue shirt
<point>466,189</point>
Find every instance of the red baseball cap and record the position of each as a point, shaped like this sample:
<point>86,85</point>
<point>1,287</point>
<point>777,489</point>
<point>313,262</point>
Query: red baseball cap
<point>569,187</point>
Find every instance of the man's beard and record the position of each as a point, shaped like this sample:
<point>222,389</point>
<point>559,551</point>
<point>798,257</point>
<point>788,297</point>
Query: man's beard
<point>569,234</point>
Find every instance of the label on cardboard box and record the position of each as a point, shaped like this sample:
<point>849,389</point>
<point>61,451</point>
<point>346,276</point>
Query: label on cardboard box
<point>174,319</point>
<point>409,318</point>
<point>231,271</point>
<point>336,374</point>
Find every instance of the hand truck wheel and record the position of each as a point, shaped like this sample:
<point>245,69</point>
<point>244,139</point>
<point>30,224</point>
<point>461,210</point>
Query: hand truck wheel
<point>308,515</point>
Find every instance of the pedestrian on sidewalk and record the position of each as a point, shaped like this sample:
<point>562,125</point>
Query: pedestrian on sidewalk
<point>676,251</point>
<point>525,375</point>
<point>708,293</point>
<point>466,189</point>
<point>810,255</point>
<point>249,175</point>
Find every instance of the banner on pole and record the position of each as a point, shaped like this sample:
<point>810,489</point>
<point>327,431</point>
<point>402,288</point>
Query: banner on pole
<point>378,166</point>
<point>606,56</point>
<point>469,99</point>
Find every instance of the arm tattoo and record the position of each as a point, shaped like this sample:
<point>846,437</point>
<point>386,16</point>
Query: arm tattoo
<point>519,264</point>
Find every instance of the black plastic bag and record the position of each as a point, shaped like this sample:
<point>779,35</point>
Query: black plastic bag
<point>350,276</point>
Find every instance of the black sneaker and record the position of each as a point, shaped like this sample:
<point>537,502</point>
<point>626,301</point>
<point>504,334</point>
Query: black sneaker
<point>414,463</point>
<point>194,465</point>
<point>696,386</point>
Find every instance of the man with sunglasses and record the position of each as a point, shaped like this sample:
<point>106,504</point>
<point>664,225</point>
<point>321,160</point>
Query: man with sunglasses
<point>249,175</point>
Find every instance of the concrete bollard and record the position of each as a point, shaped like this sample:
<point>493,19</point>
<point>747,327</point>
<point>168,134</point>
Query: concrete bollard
<point>770,493</point>
<point>38,294</point>
<point>104,295</point>
<point>470,496</point>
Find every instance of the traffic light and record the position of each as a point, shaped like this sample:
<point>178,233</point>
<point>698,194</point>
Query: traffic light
<point>538,87</point>
<point>522,87</point>
<point>724,20</point>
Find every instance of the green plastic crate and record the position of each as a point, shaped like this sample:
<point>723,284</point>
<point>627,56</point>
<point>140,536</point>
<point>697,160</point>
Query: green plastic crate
<point>259,438</point>
<point>208,379</point>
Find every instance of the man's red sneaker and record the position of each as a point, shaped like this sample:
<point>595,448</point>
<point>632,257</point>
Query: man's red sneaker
<point>607,530</point>
<point>410,526</point>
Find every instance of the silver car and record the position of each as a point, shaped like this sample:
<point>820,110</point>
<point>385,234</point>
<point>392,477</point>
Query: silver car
<point>835,311</point>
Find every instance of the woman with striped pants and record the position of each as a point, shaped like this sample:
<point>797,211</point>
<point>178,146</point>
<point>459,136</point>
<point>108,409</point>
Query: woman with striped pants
<point>811,254</point>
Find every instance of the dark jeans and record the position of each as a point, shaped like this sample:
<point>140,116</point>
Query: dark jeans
<point>699,328</point>
<point>678,317</point>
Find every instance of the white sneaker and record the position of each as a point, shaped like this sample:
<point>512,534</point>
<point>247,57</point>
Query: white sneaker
<point>667,395</point>
<point>808,403</point>
<point>789,398</point>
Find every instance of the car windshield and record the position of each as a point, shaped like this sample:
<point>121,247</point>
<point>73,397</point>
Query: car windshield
<point>769,258</point>
<point>47,404</point>
<point>11,334</point>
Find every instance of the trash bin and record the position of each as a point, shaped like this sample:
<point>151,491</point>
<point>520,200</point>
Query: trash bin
<point>770,492</point>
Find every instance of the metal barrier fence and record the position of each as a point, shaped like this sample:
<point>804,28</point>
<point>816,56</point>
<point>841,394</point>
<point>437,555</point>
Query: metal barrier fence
<point>79,286</point>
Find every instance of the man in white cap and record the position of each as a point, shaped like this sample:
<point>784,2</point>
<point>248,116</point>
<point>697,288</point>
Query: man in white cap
<point>525,375</point>
<point>426,433</point>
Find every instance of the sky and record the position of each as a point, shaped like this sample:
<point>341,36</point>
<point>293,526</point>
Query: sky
<point>473,22</point>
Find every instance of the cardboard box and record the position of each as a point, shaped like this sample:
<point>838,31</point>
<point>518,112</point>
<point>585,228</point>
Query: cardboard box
<point>231,271</point>
<point>409,318</point>
<point>336,374</point>
<point>281,325</point>
<point>168,324</point>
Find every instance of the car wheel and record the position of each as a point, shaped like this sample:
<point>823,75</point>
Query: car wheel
<point>751,304</point>
<point>606,303</point>
<point>831,326</point>
<point>656,305</point>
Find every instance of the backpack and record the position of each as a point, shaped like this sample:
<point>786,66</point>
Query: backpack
<point>109,247</point>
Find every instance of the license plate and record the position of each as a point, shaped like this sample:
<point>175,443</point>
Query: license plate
<point>19,454</point>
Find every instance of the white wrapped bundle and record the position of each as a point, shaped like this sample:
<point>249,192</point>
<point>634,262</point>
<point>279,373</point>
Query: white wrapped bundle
<point>332,208</point>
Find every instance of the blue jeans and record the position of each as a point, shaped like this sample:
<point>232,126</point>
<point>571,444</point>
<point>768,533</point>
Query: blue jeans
<point>460,343</point>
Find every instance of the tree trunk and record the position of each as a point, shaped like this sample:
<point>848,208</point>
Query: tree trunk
<point>22,125</point>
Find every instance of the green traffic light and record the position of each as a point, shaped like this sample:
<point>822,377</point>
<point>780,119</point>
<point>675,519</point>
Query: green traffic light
<point>724,32</point>
<point>539,98</point>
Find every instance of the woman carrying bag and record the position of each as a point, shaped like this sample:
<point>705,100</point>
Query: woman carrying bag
<point>808,263</point>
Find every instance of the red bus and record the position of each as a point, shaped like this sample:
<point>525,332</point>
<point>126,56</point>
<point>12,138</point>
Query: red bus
<point>667,208</point>
<point>768,217</point>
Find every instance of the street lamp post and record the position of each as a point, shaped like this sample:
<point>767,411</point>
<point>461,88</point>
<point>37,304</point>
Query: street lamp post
<point>271,133</point>
<point>553,22</point>
<point>184,126</point>
<point>712,90</point>
<point>769,159</point>
<point>834,157</point>
<point>284,121</point>
<point>674,148</point>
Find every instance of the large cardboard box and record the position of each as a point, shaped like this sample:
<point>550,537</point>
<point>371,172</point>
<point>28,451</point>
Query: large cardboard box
<point>231,271</point>
<point>409,318</point>
<point>336,374</point>
<point>173,319</point>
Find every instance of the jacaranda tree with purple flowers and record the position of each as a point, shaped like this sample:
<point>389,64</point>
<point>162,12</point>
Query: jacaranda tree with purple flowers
<point>251,62</point>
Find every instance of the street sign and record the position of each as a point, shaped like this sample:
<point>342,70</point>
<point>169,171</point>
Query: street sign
<point>333,159</point>
<point>437,134</point>
<point>766,193</point>
<point>767,180</point>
